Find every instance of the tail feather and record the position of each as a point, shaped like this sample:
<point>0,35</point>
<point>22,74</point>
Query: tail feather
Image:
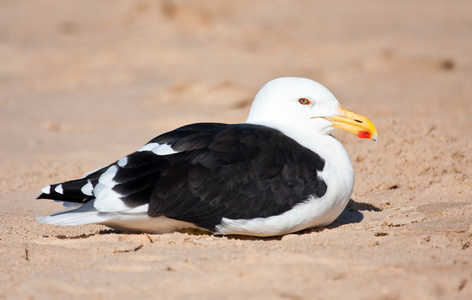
<point>86,214</point>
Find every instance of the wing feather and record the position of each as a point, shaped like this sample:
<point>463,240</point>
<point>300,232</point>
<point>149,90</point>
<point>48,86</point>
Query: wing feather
<point>206,172</point>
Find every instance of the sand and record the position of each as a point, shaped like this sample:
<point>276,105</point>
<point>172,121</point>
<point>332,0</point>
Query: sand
<point>83,83</point>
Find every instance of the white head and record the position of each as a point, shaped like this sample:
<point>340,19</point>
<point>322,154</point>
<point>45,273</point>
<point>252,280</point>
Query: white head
<point>290,102</point>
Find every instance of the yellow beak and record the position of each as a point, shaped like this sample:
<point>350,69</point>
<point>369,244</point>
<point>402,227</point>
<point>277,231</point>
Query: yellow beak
<point>354,123</point>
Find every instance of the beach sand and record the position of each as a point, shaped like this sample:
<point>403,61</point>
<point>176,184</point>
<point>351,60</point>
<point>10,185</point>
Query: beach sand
<point>83,83</point>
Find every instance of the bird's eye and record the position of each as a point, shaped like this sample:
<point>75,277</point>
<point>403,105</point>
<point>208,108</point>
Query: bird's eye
<point>304,101</point>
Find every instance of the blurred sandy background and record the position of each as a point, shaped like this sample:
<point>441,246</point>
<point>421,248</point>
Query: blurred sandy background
<point>83,83</point>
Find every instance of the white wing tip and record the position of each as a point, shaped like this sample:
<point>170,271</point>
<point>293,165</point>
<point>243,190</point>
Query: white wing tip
<point>46,189</point>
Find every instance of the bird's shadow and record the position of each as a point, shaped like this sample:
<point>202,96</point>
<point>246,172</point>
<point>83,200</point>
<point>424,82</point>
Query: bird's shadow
<point>83,235</point>
<point>351,214</point>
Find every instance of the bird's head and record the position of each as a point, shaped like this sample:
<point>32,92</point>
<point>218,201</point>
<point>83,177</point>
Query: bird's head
<point>304,103</point>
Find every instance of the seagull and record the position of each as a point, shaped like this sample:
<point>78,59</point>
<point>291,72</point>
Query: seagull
<point>279,172</point>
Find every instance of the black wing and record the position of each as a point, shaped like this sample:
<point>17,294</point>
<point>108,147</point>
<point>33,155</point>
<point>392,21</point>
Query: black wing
<point>238,171</point>
<point>234,171</point>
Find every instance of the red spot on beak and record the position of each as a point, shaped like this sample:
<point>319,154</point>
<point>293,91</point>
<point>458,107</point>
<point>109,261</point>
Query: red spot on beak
<point>363,134</point>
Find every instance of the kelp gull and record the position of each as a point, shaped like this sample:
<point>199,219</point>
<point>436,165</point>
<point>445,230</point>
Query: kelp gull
<point>280,172</point>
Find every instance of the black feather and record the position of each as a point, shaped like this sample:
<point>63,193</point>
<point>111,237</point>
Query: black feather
<point>234,171</point>
<point>72,190</point>
<point>240,171</point>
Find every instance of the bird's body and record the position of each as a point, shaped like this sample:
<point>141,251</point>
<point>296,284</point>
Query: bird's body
<point>278,173</point>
